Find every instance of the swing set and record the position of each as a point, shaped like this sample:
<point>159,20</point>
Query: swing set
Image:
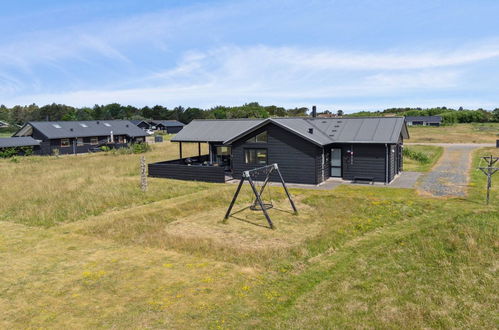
<point>258,189</point>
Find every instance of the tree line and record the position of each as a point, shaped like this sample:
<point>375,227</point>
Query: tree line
<point>449,116</point>
<point>60,112</point>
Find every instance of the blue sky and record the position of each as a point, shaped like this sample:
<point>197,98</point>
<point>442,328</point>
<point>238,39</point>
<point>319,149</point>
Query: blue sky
<point>350,55</point>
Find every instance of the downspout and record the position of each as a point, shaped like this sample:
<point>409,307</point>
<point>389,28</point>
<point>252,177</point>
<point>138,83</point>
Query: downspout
<point>386,164</point>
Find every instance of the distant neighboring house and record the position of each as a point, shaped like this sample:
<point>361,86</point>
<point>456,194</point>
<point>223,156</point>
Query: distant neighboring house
<point>142,124</point>
<point>169,126</point>
<point>72,137</point>
<point>423,120</point>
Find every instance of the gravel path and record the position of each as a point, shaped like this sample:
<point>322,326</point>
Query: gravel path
<point>449,177</point>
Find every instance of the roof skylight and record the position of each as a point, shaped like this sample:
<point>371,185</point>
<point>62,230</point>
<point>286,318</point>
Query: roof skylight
<point>107,124</point>
<point>83,125</point>
<point>56,125</point>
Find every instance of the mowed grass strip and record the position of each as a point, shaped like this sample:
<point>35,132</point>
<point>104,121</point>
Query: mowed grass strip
<point>458,133</point>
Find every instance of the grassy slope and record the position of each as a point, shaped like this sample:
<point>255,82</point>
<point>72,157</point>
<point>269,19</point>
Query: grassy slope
<point>433,152</point>
<point>459,133</point>
<point>354,256</point>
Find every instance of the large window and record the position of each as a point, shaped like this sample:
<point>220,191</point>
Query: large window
<point>64,142</point>
<point>79,142</point>
<point>259,138</point>
<point>255,156</point>
<point>223,151</point>
<point>94,141</point>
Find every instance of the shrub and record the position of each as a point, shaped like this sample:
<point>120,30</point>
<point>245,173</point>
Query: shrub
<point>136,148</point>
<point>16,151</point>
<point>105,148</point>
<point>416,155</point>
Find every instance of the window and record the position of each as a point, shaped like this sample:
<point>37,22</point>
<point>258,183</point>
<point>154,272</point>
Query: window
<point>259,138</point>
<point>94,141</point>
<point>120,139</point>
<point>223,151</point>
<point>64,142</point>
<point>79,142</point>
<point>139,139</point>
<point>255,156</point>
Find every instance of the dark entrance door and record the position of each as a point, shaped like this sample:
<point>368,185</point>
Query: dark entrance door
<point>336,162</point>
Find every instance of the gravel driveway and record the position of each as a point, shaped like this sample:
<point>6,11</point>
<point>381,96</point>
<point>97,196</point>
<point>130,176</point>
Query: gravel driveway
<point>449,177</point>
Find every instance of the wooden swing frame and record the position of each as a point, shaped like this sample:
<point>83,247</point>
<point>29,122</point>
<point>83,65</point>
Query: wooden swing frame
<point>266,170</point>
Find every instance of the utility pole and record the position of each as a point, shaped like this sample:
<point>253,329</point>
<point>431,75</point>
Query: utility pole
<point>489,171</point>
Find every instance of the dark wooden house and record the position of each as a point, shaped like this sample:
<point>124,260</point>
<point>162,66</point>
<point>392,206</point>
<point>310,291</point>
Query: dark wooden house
<point>142,124</point>
<point>18,144</point>
<point>168,126</point>
<point>73,137</point>
<point>308,150</point>
<point>423,120</point>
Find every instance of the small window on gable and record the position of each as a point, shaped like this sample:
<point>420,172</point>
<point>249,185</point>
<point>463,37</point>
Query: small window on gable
<point>259,138</point>
<point>64,142</point>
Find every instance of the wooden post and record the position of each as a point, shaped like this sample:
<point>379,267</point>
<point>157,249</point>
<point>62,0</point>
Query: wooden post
<point>199,149</point>
<point>489,171</point>
<point>180,149</point>
<point>143,174</point>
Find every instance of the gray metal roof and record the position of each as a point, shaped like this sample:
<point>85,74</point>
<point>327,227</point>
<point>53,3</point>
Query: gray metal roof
<point>214,130</point>
<point>71,129</point>
<point>168,123</point>
<point>324,130</point>
<point>24,141</point>
<point>427,119</point>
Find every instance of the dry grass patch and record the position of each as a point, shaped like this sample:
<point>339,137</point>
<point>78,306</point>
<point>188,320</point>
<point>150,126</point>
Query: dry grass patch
<point>459,133</point>
<point>69,280</point>
<point>194,224</point>
<point>44,191</point>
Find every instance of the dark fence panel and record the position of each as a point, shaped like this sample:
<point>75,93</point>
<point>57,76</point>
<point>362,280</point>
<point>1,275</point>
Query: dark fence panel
<point>178,169</point>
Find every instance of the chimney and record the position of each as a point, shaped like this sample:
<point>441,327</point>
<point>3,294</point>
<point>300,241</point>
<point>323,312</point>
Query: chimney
<point>314,111</point>
<point>311,130</point>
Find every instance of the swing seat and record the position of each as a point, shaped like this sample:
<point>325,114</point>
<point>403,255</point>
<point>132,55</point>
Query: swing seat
<point>266,206</point>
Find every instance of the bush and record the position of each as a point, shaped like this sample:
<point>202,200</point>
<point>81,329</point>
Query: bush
<point>104,148</point>
<point>16,151</point>
<point>416,155</point>
<point>135,148</point>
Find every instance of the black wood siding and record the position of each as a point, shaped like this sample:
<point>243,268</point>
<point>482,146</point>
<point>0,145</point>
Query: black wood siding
<point>296,157</point>
<point>368,161</point>
<point>173,129</point>
<point>177,169</point>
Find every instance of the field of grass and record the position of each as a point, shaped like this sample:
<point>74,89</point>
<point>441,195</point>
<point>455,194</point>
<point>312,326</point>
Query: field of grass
<point>459,133</point>
<point>82,246</point>
<point>433,154</point>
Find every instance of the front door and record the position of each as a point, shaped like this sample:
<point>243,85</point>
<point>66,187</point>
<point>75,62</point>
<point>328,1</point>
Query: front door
<point>336,162</point>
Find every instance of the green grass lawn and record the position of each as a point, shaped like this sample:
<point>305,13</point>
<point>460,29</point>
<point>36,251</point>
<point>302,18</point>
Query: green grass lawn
<point>433,154</point>
<point>106,255</point>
